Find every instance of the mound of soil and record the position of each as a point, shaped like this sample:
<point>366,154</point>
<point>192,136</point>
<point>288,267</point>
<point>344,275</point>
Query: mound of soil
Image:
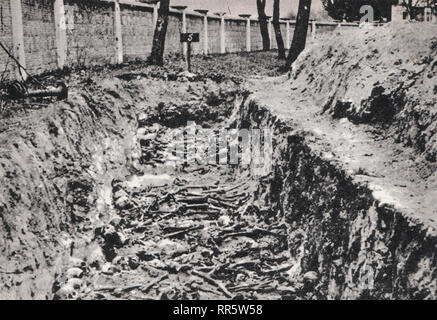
<point>378,75</point>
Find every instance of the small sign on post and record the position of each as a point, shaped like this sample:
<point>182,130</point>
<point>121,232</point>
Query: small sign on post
<point>189,38</point>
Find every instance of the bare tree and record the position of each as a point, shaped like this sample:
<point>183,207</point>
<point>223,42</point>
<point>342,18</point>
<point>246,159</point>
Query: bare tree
<point>277,26</point>
<point>300,33</point>
<point>261,6</point>
<point>157,55</point>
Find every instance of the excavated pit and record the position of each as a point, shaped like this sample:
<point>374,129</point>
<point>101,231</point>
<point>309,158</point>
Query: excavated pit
<point>305,230</point>
<point>108,212</point>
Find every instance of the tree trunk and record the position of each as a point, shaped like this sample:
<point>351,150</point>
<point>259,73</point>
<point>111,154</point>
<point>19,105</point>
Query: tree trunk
<point>389,8</point>
<point>300,33</point>
<point>157,55</point>
<point>277,26</point>
<point>261,5</point>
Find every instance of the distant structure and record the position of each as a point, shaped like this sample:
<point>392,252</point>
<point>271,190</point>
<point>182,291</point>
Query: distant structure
<point>421,10</point>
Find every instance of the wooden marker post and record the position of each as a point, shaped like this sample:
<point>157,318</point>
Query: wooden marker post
<point>189,38</point>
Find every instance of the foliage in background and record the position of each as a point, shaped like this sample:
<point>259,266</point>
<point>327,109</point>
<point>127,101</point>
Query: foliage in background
<point>349,10</point>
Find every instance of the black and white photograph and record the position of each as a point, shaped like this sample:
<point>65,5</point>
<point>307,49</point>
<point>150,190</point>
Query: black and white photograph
<point>236,152</point>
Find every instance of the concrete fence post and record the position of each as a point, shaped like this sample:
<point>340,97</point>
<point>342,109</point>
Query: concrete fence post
<point>248,31</point>
<point>223,36</point>
<point>184,30</point>
<point>61,32</point>
<point>313,29</point>
<point>222,32</point>
<point>118,32</point>
<point>269,19</point>
<point>287,35</point>
<point>155,14</point>
<point>248,36</point>
<point>205,30</point>
<point>18,37</point>
<point>205,34</point>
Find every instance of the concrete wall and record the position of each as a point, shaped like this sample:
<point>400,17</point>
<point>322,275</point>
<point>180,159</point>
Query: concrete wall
<point>39,35</point>
<point>6,69</point>
<point>172,41</point>
<point>91,38</point>
<point>195,24</point>
<point>137,31</point>
<point>89,35</point>
<point>235,35</point>
<point>214,35</point>
<point>255,36</point>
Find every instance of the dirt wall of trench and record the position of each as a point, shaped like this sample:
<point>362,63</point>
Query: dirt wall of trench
<point>338,233</point>
<point>56,168</point>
